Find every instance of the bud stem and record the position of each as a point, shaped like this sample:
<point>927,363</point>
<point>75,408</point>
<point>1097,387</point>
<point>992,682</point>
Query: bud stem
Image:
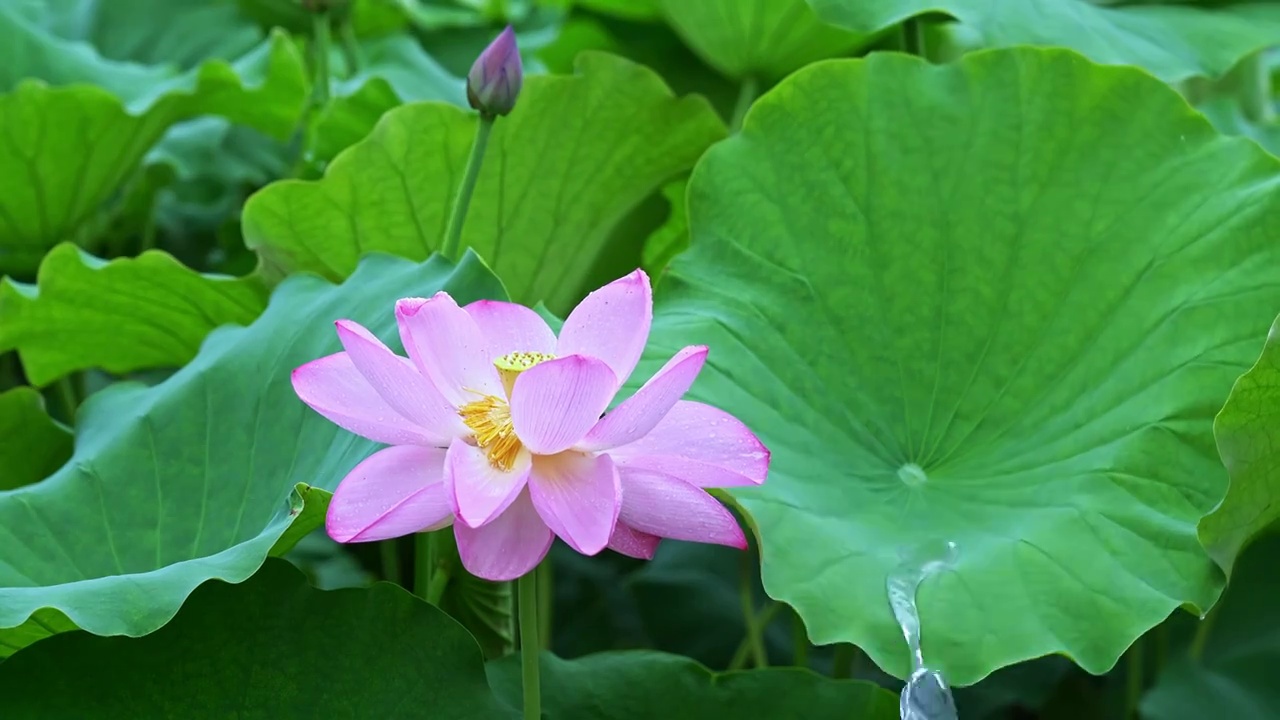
<point>746,95</point>
<point>322,39</point>
<point>453,231</point>
<point>913,38</point>
<point>1253,78</point>
<point>424,562</point>
<point>350,47</point>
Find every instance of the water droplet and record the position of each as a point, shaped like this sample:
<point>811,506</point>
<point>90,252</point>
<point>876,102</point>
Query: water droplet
<point>912,475</point>
<point>926,696</point>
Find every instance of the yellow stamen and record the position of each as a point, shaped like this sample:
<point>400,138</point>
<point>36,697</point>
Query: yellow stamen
<point>512,364</point>
<point>490,417</point>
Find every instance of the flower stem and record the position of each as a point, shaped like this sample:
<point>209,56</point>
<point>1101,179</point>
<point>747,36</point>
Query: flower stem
<point>746,95</point>
<point>800,640</point>
<point>1254,81</point>
<point>149,229</point>
<point>458,215</point>
<point>322,39</point>
<point>1201,638</point>
<point>350,47</point>
<point>546,600</point>
<point>739,660</point>
<point>423,563</point>
<point>753,625</point>
<point>439,583</point>
<point>1162,647</point>
<point>65,393</point>
<point>390,555</point>
<point>746,647</point>
<point>1134,678</point>
<point>913,37</point>
<point>844,664</point>
<point>527,596</point>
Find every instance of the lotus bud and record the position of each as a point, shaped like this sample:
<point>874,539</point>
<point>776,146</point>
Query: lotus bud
<point>495,79</point>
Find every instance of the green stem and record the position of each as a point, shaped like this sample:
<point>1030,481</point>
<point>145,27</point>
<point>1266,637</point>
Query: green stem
<point>800,640</point>
<point>390,552</point>
<point>423,563</point>
<point>740,655</point>
<point>913,37</point>
<point>65,393</point>
<point>1254,78</point>
<point>843,663</point>
<point>746,95</point>
<point>1201,638</point>
<point>747,596</point>
<point>439,582</point>
<point>458,215</point>
<point>322,40</point>
<point>1162,647</point>
<point>747,646</point>
<point>1134,678</point>
<point>350,47</point>
<point>527,596</point>
<point>149,228</point>
<point>546,600</point>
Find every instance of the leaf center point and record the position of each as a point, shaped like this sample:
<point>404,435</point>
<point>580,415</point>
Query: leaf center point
<point>912,475</point>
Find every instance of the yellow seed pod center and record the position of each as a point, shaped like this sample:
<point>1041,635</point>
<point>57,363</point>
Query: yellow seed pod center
<point>512,364</point>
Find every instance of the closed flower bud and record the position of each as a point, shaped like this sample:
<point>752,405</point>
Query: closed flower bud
<point>495,79</point>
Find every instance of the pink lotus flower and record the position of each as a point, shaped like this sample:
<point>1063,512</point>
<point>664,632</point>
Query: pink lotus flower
<point>496,422</point>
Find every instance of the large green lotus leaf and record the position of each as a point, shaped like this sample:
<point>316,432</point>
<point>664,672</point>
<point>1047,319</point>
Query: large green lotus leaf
<point>654,45</point>
<point>539,218</point>
<point>640,684</point>
<point>995,303</point>
<point>71,148</point>
<point>769,38</point>
<point>1172,40</point>
<point>271,647</point>
<point>181,33</point>
<point>35,31</point>
<point>34,444</point>
<point>195,478</point>
<point>125,315</point>
<point>1248,437</point>
<point>35,51</point>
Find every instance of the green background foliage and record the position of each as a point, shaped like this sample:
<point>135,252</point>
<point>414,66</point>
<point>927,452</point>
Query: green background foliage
<point>159,495</point>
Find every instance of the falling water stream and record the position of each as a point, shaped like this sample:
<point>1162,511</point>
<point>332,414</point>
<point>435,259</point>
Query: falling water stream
<point>926,695</point>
